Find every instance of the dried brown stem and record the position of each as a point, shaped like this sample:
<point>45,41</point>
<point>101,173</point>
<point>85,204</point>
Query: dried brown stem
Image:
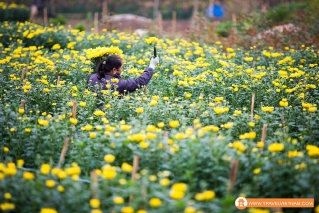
<point>63,152</point>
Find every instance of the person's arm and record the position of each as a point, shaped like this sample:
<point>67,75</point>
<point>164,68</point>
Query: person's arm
<point>131,85</point>
<point>94,81</point>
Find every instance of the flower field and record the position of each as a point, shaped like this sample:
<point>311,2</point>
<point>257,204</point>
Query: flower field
<point>214,123</point>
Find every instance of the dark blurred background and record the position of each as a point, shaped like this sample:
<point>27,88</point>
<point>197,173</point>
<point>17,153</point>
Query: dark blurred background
<point>278,23</point>
<point>183,8</point>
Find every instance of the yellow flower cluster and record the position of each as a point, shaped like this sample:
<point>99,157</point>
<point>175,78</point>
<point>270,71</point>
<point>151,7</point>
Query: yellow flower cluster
<point>267,108</point>
<point>313,151</point>
<point>7,206</point>
<point>239,146</point>
<point>178,191</point>
<point>309,106</point>
<point>4,5</point>
<point>205,196</point>
<point>155,202</point>
<point>118,200</point>
<point>137,137</point>
<point>102,52</point>
<point>283,102</point>
<point>48,210</point>
<point>9,170</point>
<point>151,40</point>
<point>43,122</point>
<point>221,110</point>
<point>126,167</point>
<point>276,147</point>
<point>249,135</point>
<point>108,172</point>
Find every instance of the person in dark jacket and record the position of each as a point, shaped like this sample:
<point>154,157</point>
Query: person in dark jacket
<point>36,9</point>
<point>108,72</point>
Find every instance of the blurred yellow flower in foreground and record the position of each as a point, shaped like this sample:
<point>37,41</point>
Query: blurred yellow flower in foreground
<point>176,194</point>
<point>209,194</point>
<point>48,210</point>
<point>7,206</point>
<point>249,135</point>
<point>174,123</point>
<point>276,147</point>
<point>127,209</point>
<point>73,121</point>
<point>260,144</point>
<point>144,145</point>
<point>189,209</point>
<point>199,196</point>
<point>46,90</point>
<point>109,158</point>
<point>60,188</point>
<point>312,109</point>
<point>283,102</point>
<point>28,175</point>
<point>139,110</point>
<point>256,171</point>
<point>248,59</point>
<point>239,146</point>
<point>20,162</point>
<point>45,169</point>
<point>160,124</point>
<point>313,151</point>
<point>114,80</point>
<point>294,153</point>
<point>220,110</point>
<point>151,40</point>
<point>87,127</point>
<point>153,103</point>
<point>257,117</point>
<point>56,47</point>
<point>95,203</point>
<point>137,137</point>
<point>126,167</point>
<point>253,210</point>
<point>251,124</point>
<point>99,113</point>
<point>228,125</point>
<point>188,95</point>
<point>164,182</point>
<point>43,122</point>
<point>178,191</point>
<point>92,135</point>
<point>109,172</point>
<point>50,183</point>
<point>267,109</point>
<point>21,111</point>
<point>7,195</point>
<point>11,169</point>
<point>155,202</point>
<point>118,200</point>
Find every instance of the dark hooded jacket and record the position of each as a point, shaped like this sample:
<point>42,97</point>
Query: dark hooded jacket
<point>123,86</point>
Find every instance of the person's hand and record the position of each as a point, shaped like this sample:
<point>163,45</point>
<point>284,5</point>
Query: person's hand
<point>154,62</point>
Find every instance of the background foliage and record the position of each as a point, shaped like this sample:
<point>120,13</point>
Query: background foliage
<point>188,129</point>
